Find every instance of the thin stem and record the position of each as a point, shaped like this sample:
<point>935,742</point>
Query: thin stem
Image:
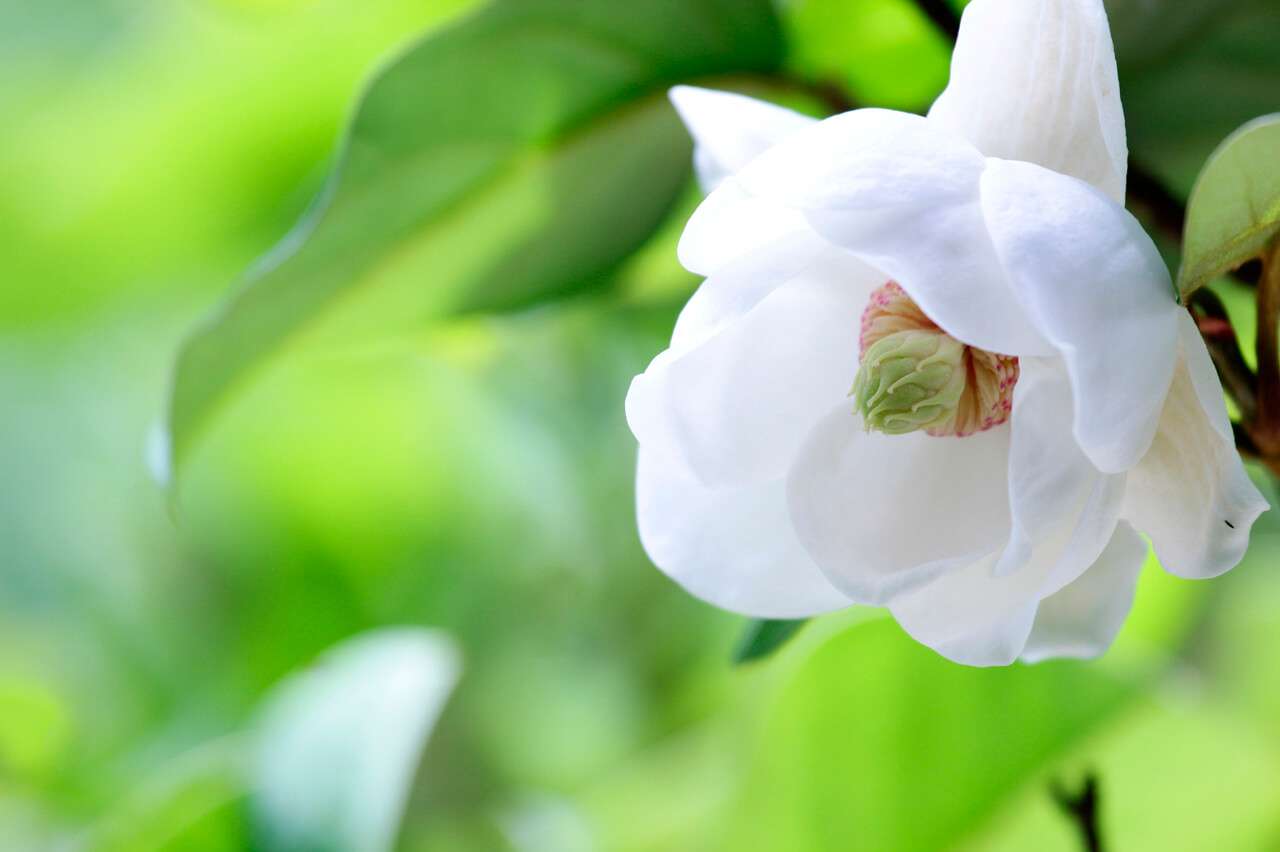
<point>1266,427</point>
<point>1082,808</point>
<point>1219,337</point>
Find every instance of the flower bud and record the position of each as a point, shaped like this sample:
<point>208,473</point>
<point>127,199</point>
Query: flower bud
<point>910,380</point>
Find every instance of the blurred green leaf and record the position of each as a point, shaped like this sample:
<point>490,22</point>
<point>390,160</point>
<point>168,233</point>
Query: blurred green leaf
<point>191,804</point>
<point>1175,775</point>
<point>519,155</point>
<point>885,52</point>
<point>1234,209</point>
<point>1147,32</point>
<point>763,636</point>
<point>337,745</point>
<point>879,743</point>
<point>1180,105</point>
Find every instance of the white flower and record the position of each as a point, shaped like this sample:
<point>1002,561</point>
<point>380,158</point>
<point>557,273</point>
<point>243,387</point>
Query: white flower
<point>1007,520</point>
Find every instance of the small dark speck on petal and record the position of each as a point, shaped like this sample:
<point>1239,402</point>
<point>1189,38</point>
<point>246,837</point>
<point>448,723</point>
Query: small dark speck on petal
<point>1228,523</point>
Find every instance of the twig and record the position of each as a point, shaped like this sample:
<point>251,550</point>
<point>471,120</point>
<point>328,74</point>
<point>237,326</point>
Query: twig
<point>942,15</point>
<point>1265,428</point>
<point>1082,807</point>
<point>1220,337</point>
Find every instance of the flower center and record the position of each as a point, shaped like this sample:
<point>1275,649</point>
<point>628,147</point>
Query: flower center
<point>913,375</point>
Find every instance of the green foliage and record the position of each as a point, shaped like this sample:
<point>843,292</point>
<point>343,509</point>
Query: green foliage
<point>884,52</point>
<point>1234,210</point>
<point>478,477</point>
<point>517,156</point>
<point>763,636</point>
<point>879,743</point>
<point>1220,70</point>
<point>336,746</point>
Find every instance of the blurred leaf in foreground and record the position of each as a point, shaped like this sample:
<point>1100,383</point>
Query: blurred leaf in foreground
<point>878,743</point>
<point>337,745</point>
<point>519,155</point>
<point>763,636</point>
<point>1234,209</point>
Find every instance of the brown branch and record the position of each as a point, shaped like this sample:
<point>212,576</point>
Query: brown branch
<point>1265,428</point>
<point>1082,808</point>
<point>1219,336</point>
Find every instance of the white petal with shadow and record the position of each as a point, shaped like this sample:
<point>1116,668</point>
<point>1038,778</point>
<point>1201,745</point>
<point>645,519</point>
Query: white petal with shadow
<point>1083,618</point>
<point>1191,493</point>
<point>731,130</point>
<point>733,547</point>
<point>884,514</point>
<point>1036,80</point>
<point>734,409</point>
<point>1094,285</point>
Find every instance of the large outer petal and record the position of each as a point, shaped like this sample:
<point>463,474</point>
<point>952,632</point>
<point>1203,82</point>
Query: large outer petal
<point>1191,493</point>
<point>885,514</point>
<point>1050,478</point>
<point>1064,513</point>
<point>731,130</point>
<point>733,409</point>
<point>1036,80</point>
<point>865,160</point>
<point>901,193</point>
<point>972,616</point>
<point>730,224</point>
<point>1093,283</point>
<point>941,255</point>
<point>1083,618</point>
<point>732,547</point>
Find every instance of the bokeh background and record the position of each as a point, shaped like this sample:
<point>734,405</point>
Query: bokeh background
<point>472,473</point>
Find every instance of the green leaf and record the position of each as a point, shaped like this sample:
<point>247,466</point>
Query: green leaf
<point>1234,209</point>
<point>879,743</point>
<point>518,156</point>
<point>763,636</point>
<point>1220,72</point>
<point>886,52</point>
<point>192,802</point>
<point>336,746</point>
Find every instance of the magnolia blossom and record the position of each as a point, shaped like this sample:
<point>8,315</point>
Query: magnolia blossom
<point>935,365</point>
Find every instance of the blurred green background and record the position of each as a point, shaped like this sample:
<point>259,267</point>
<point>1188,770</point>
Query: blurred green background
<point>455,456</point>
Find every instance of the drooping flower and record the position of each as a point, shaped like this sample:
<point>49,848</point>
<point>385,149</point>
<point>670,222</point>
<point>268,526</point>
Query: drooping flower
<point>935,365</point>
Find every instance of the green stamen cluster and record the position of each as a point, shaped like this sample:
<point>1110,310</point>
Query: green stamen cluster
<point>910,380</point>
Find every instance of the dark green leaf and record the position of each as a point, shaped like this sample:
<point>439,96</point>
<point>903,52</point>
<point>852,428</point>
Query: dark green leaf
<point>518,156</point>
<point>1224,72</point>
<point>763,636</point>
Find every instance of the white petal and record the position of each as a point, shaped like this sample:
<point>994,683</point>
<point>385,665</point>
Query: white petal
<point>1191,493</point>
<point>941,255</point>
<point>1095,286</point>
<point>734,409</point>
<point>996,643</point>
<point>1036,80</point>
<point>972,616</point>
<point>882,514</point>
<point>1083,618</point>
<point>733,547</point>
<point>1063,513</point>
<point>1050,478</point>
<point>864,160</point>
<point>731,130</point>
<point>731,224</point>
